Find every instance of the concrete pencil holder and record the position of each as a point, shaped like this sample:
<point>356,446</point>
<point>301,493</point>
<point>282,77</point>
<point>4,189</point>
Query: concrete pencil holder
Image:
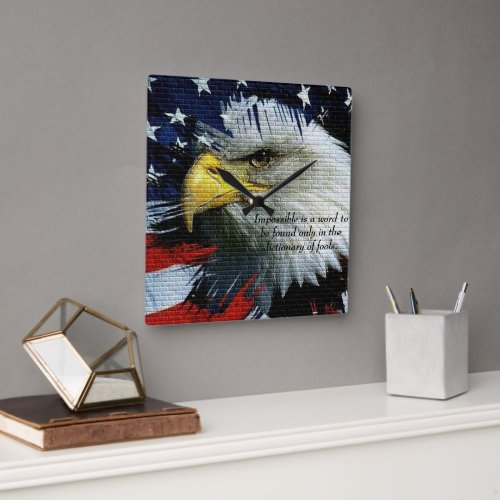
<point>427,354</point>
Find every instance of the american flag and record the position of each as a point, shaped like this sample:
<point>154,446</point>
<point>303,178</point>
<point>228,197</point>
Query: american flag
<point>179,110</point>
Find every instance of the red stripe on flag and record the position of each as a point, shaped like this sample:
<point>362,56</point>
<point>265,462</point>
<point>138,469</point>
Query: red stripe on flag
<point>161,257</point>
<point>331,310</point>
<point>239,308</point>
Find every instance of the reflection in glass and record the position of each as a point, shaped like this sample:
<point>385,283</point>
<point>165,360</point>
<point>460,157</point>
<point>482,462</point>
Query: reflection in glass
<point>64,363</point>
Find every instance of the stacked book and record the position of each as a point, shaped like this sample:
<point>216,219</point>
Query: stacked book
<point>46,423</point>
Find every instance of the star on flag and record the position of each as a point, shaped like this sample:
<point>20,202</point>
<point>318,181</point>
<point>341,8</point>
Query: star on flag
<point>203,139</point>
<point>330,88</point>
<point>178,116</point>
<point>151,132</point>
<point>153,176</point>
<point>202,84</point>
<point>303,95</point>
<point>180,144</point>
<point>241,82</point>
<point>150,81</point>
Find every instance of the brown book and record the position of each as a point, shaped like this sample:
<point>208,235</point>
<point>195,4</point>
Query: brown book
<point>46,423</point>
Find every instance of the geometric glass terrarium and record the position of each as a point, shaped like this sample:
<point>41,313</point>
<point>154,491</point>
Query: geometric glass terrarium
<point>91,360</point>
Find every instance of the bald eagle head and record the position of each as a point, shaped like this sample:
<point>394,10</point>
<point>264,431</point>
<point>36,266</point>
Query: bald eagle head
<point>265,142</point>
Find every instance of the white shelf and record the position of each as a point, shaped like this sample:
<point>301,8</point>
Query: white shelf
<point>263,425</point>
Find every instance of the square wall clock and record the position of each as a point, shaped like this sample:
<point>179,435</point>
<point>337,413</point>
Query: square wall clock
<point>248,191</point>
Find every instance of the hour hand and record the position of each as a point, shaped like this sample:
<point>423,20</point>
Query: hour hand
<point>230,179</point>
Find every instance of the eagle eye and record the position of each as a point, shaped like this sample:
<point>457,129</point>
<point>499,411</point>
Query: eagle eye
<point>261,158</point>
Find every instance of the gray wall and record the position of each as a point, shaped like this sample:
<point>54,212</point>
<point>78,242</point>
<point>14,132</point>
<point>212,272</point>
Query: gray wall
<point>425,183</point>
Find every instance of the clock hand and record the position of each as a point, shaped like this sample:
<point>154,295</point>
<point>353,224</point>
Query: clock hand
<point>289,179</point>
<point>230,179</point>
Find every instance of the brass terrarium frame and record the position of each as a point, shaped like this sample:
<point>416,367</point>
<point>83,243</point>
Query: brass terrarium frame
<point>79,402</point>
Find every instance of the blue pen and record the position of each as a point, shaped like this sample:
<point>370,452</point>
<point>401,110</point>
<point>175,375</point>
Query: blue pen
<point>415,307</point>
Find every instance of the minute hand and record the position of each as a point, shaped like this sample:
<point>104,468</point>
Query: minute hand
<point>288,180</point>
<point>282,184</point>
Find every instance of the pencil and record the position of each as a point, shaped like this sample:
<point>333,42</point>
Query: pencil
<point>392,300</point>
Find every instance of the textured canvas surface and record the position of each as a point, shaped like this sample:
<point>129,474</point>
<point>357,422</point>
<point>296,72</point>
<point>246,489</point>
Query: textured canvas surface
<point>227,238</point>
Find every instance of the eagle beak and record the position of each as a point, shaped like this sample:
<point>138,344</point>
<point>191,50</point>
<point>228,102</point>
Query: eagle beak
<point>203,188</point>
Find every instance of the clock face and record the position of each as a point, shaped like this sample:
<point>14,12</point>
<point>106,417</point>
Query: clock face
<point>248,187</point>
